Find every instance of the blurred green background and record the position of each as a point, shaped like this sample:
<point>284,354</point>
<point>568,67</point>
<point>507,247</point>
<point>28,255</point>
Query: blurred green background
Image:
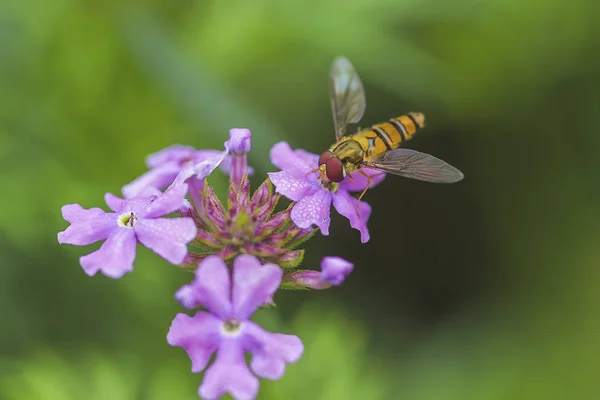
<point>487,289</point>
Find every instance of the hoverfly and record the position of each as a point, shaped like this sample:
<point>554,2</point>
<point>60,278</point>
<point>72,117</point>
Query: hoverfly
<point>375,147</point>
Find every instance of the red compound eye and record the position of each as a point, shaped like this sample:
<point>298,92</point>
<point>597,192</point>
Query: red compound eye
<point>324,157</point>
<point>334,170</point>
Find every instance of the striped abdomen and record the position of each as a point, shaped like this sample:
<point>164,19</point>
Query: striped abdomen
<point>389,135</point>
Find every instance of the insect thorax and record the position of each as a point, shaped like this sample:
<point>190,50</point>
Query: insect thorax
<point>350,153</point>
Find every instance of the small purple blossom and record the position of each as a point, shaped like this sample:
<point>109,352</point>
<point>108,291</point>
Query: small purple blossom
<point>334,271</point>
<point>164,166</point>
<point>226,329</point>
<point>134,220</point>
<point>246,224</point>
<point>313,199</point>
<point>169,163</point>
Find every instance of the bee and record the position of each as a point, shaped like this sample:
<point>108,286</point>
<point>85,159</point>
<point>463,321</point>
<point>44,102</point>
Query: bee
<point>375,147</point>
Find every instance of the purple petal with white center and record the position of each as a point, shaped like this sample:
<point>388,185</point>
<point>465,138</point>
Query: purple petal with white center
<point>87,226</point>
<point>171,200</point>
<point>253,284</point>
<point>345,204</point>
<point>335,270</point>
<point>239,141</point>
<point>291,187</point>
<point>271,351</point>
<point>167,237</point>
<point>213,284</point>
<point>175,152</point>
<point>158,177</point>
<point>197,335</point>
<point>313,209</point>
<point>115,257</point>
<point>359,182</point>
<point>286,159</point>
<point>229,374</point>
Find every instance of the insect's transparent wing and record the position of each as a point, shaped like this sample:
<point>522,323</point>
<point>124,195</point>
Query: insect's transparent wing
<point>413,164</point>
<point>347,95</point>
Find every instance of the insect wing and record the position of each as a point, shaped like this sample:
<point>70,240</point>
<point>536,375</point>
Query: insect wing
<point>413,164</point>
<point>347,95</point>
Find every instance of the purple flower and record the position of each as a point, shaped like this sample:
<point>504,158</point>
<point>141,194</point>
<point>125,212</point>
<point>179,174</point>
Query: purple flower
<point>247,223</point>
<point>334,271</point>
<point>165,165</point>
<point>225,328</point>
<point>313,199</point>
<point>134,220</point>
<point>168,163</point>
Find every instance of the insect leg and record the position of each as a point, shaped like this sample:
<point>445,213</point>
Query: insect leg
<point>364,191</point>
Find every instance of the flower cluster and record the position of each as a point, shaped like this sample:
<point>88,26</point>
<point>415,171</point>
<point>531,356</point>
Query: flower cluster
<point>242,250</point>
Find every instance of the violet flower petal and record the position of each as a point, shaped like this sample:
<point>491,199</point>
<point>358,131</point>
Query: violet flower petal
<point>335,269</point>
<point>158,177</point>
<point>87,226</point>
<point>171,200</point>
<point>291,187</point>
<point>167,237</point>
<point>206,167</point>
<point>76,213</point>
<point>214,286</point>
<point>239,140</point>
<point>197,335</point>
<point>225,166</point>
<point>115,257</point>
<point>346,205</point>
<point>175,152</point>
<point>313,209</point>
<point>271,351</point>
<point>359,182</point>
<point>286,159</point>
<point>253,284</point>
<point>188,296</point>
<point>136,205</point>
<point>310,158</point>
<point>229,374</point>
<point>196,192</point>
<point>114,203</point>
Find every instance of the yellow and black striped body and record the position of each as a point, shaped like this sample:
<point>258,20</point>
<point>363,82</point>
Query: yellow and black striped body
<point>389,135</point>
<point>355,150</point>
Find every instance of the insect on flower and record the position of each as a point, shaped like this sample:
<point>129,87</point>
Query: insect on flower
<point>242,251</point>
<point>377,146</point>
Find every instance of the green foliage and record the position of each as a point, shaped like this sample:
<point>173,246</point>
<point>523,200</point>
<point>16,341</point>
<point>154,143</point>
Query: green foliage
<point>330,369</point>
<point>335,364</point>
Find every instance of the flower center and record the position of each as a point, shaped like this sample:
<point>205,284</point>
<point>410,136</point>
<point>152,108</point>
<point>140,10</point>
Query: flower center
<point>328,185</point>
<point>242,230</point>
<point>231,327</point>
<point>127,219</point>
